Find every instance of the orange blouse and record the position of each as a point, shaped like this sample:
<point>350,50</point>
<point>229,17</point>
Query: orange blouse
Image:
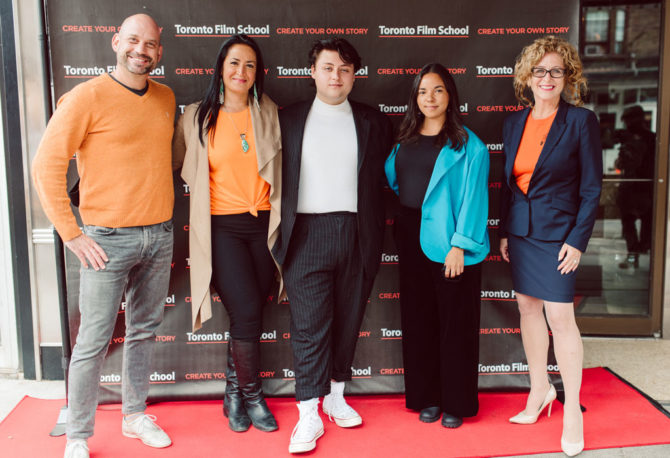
<point>234,184</point>
<point>534,135</point>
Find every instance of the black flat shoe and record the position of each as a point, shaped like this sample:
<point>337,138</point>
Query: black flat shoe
<point>450,421</point>
<point>430,414</point>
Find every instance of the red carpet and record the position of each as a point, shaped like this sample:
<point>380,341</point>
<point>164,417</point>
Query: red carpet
<point>617,416</point>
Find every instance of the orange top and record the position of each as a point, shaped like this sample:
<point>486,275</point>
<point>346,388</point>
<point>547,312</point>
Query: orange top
<point>124,156</point>
<point>234,184</point>
<point>534,135</point>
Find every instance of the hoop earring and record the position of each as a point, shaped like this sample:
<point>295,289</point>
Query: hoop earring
<point>221,93</point>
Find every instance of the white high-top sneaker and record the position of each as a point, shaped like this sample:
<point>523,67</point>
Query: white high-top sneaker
<point>337,408</point>
<point>308,429</point>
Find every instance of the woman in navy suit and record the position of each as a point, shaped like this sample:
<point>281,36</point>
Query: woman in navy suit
<point>439,169</point>
<point>553,172</point>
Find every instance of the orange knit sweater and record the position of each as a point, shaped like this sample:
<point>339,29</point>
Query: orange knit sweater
<point>123,146</point>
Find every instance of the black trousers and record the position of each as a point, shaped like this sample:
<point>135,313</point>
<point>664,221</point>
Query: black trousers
<point>327,292</point>
<point>243,270</point>
<point>440,326</point>
<point>635,202</point>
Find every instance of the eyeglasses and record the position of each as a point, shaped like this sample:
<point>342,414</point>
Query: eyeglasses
<point>539,72</point>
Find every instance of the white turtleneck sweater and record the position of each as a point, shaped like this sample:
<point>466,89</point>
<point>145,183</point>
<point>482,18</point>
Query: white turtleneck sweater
<point>329,165</point>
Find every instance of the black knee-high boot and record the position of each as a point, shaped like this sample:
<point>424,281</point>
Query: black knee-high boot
<point>233,404</point>
<point>247,361</point>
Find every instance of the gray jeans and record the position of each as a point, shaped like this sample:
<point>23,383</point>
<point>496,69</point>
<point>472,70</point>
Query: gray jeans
<point>139,265</point>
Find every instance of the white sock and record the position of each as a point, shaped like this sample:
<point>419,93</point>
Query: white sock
<point>77,440</point>
<point>337,388</point>
<point>310,402</point>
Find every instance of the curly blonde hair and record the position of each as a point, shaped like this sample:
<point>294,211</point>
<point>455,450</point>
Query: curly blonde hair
<point>575,82</point>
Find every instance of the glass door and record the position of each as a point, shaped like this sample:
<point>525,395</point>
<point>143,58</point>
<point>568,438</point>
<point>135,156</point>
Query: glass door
<point>620,48</point>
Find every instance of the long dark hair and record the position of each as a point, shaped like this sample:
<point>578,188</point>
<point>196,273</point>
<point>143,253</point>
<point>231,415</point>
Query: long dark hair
<point>208,111</point>
<point>452,129</point>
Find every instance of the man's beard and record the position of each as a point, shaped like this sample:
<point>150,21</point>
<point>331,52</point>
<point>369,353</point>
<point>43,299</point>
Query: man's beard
<point>139,70</point>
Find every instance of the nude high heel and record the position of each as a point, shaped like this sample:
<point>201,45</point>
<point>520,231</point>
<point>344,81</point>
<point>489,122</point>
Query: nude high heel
<point>525,419</point>
<point>572,448</point>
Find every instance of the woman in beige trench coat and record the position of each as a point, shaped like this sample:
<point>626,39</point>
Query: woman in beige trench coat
<point>229,147</point>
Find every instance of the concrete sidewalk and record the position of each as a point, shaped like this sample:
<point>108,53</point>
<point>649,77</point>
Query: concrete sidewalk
<point>643,362</point>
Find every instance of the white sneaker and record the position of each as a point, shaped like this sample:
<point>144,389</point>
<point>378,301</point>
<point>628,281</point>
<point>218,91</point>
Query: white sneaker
<point>337,409</point>
<point>76,448</point>
<point>308,429</point>
<point>142,427</point>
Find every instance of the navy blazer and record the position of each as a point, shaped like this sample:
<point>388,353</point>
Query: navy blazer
<point>564,190</point>
<point>374,136</point>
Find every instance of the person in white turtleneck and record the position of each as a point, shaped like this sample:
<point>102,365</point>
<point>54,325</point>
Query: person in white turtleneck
<point>331,232</point>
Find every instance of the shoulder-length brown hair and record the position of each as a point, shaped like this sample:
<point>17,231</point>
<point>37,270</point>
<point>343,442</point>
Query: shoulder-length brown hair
<point>531,55</point>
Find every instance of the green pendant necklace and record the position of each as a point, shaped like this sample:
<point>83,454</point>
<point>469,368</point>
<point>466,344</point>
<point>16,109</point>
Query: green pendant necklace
<point>245,143</point>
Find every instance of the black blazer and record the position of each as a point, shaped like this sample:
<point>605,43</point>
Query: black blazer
<point>564,190</point>
<point>374,134</point>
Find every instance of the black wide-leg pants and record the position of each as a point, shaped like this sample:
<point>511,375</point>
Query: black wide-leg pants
<point>440,326</point>
<point>327,292</point>
<point>242,270</point>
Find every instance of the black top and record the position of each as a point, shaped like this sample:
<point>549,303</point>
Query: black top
<point>414,166</point>
<point>139,92</point>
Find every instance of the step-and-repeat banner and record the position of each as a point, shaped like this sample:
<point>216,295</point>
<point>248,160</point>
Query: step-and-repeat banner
<point>477,40</point>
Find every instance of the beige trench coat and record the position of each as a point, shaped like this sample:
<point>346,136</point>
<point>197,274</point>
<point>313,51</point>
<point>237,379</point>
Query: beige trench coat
<point>191,155</point>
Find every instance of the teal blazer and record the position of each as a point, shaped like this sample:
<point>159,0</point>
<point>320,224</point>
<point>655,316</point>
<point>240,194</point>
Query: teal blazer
<point>456,205</point>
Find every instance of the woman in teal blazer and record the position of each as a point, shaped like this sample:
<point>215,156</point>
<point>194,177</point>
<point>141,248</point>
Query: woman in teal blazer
<point>439,169</point>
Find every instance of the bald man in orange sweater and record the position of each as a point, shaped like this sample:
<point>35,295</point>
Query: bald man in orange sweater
<point>120,127</point>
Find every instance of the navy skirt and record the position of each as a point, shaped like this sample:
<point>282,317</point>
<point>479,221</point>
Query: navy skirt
<point>534,270</point>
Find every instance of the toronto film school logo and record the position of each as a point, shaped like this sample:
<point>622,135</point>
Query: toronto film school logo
<point>72,71</point>
<point>110,379</point>
<point>424,31</point>
<point>170,301</point>
<point>400,110</point>
<point>511,369</point>
<point>162,378</point>
<point>195,338</point>
<point>356,373</point>
<point>494,72</point>
<point>306,72</point>
<point>221,30</point>
<point>391,334</point>
<point>495,148</point>
<point>498,295</point>
<point>493,223</point>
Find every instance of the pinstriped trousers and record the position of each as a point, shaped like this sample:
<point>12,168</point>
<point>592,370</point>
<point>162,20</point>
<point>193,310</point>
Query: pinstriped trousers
<point>327,292</point>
